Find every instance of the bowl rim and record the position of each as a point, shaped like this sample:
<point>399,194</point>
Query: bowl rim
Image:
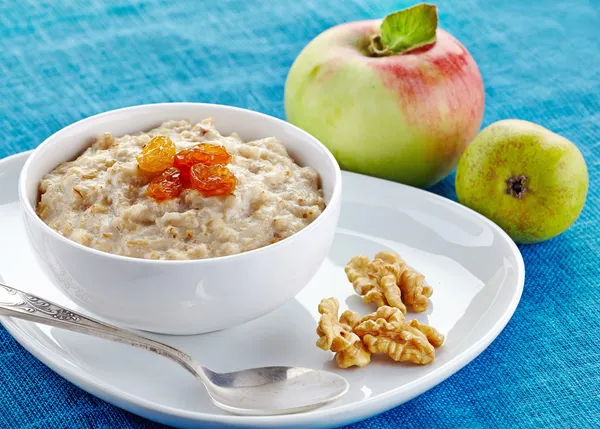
<point>30,211</point>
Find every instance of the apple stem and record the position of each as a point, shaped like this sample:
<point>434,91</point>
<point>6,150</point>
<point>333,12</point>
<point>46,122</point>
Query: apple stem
<point>376,48</point>
<point>515,186</point>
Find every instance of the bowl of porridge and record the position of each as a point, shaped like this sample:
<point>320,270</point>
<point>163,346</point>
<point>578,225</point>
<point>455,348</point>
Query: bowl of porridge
<point>180,218</point>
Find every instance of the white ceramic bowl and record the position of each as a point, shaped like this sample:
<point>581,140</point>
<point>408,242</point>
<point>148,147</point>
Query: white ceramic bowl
<point>181,297</point>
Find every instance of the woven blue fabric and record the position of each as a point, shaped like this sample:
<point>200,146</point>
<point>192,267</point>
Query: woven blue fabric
<point>63,61</point>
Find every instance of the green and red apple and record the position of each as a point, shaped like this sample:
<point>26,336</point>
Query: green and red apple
<point>530,181</point>
<point>398,99</point>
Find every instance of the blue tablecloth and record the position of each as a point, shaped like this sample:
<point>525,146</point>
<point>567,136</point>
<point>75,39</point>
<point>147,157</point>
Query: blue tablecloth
<point>62,61</point>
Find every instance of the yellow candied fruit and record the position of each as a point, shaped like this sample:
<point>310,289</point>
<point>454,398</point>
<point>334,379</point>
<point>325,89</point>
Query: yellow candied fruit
<point>157,155</point>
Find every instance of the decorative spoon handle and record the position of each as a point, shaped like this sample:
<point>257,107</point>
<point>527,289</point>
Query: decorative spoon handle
<point>22,305</point>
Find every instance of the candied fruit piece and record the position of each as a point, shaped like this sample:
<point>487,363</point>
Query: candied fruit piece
<point>206,154</point>
<point>157,155</point>
<point>212,180</point>
<point>167,185</point>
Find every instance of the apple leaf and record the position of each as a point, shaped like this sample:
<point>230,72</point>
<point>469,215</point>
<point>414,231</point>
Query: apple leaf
<point>406,30</point>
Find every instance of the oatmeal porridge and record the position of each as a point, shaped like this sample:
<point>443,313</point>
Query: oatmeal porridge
<point>102,199</point>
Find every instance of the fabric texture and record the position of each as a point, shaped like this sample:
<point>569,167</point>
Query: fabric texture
<point>62,61</point>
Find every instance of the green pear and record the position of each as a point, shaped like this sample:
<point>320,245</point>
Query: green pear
<point>528,180</point>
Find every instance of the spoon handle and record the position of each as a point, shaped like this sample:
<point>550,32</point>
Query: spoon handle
<point>22,305</point>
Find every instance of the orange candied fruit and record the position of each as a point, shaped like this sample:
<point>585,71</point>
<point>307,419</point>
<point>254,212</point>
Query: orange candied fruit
<point>167,185</point>
<point>157,155</point>
<point>212,180</point>
<point>206,154</point>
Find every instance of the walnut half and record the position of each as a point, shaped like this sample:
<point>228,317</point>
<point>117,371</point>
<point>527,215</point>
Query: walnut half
<point>414,292</point>
<point>386,280</point>
<point>387,331</point>
<point>376,280</point>
<point>337,336</point>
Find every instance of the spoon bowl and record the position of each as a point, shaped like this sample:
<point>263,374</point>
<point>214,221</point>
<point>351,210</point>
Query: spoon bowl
<point>274,390</point>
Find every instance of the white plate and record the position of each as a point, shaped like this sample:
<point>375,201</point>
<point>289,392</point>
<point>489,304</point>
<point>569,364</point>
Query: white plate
<point>476,270</point>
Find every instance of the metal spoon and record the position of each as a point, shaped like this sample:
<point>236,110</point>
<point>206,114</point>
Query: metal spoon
<point>258,391</point>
